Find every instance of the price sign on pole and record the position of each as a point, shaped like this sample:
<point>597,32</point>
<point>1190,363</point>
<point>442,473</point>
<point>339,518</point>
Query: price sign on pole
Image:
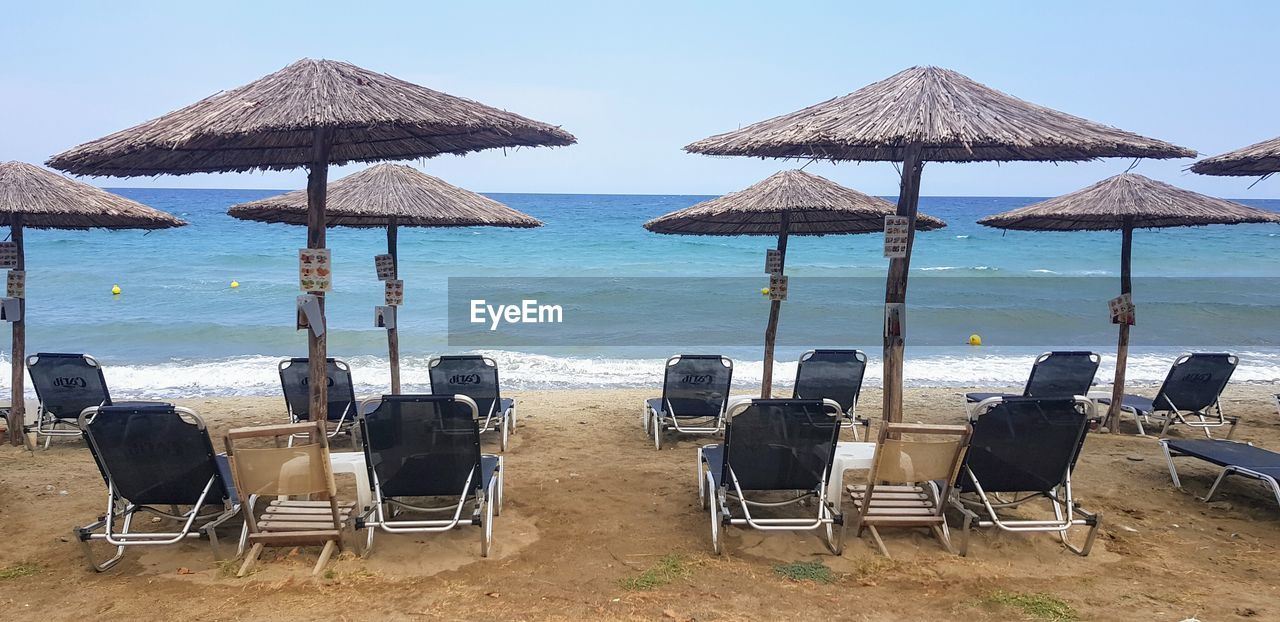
<point>315,272</point>
<point>772,261</point>
<point>895,236</point>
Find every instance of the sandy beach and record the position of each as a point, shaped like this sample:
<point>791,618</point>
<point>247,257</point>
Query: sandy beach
<point>598,525</point>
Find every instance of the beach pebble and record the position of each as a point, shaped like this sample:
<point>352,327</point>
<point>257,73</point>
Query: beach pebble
<point>48,487</point>
<point>62,492</point>
<point>1135,458</point>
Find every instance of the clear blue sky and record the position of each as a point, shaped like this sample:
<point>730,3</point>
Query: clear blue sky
<point>636,81</point>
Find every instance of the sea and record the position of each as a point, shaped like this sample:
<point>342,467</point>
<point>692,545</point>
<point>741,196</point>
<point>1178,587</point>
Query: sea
<point>630,298</point>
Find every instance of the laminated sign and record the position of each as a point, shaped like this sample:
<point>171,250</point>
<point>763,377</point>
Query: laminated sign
<point>309,314</point>
<point>777,287</point>
<point>17,284</point>
<point>394,292</point>
<point>314,270</point>
<point>772,261</point>
<point>1122,311</point>
<point>386,267</point>
<point>384,317</point>
<point>8,254</point>
<point>895,236</point>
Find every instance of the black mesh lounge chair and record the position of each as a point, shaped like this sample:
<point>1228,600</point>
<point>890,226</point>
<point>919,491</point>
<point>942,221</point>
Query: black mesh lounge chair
<point>65,385</point>
<point>833,375</point>
<point>772,446</point>
<point>1234,457</point>
<point>476,377</point>
<point>695,389</point>
<point>1054,374</point>
<point>1026,448</point>
<point>1189,395</point>
<point>155,456</point>
<point>419,447</point>
<point>295,376</point>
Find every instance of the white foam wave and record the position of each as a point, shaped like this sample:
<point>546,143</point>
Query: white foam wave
<point>258,376</point>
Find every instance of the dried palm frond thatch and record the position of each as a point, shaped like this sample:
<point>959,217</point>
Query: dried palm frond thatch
<point>952,117</point>
<point>1128,200</point>
<point>46,200</point>
<point>389,194</point>
<point>269,124</point>
<point>815,206</point>
<point>1259,159</point>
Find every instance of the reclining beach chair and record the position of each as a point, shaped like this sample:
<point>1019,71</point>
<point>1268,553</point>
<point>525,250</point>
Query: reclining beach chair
<point>1054,374</point>
<point>300,469</point>
<point>772,446</point>
<point>910,480</point>
<point>1026,448</point>
<point>155,456</point>
<point>1189,395</point>
<point>1234,457</point>
<point>424,447</point>
<point>295,378</point>
<point>833,375</point>
<point>695,389</point>
<point>65,385</point>
<point>476,377</point>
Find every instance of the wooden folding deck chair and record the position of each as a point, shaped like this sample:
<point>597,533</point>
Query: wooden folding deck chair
<point>281,471</point>
<point>903,489</point>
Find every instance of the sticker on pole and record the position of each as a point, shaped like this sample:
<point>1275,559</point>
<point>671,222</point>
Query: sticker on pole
<point>1122,311</point>
<point>895,320</point>
<point>394,292</point>
<point>16,286</point>
<point>8,255</point>
<point>315,272</point>
<point>385,266</point>
<point>777,286</point>
<point>772,261</point>
<point>895,236</point>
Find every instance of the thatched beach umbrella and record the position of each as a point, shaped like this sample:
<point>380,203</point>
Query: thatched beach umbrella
<point>34,198</point>
<point>391,196</point>
<point>787,203</point>
<point>1126,202</point>
<point>1260,159</point>
<point>310,114</point>
<point>928,114</point>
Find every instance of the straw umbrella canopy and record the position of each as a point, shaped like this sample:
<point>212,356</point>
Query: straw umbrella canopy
<point>390,196</point>
<point>34,198</point>
<point>787,203</point>
<point>1260,159</point>
<point>1126,202</point>
<point>310,114</point>
<point>928,114</point>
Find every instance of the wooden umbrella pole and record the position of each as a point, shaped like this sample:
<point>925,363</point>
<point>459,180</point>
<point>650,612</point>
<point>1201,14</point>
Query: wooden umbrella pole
<point>1122,346</point>
<point>393,335</point>
<point>17,358</point>
<point>895,291</point>
<point>317,180</point>
<point>775,308</point>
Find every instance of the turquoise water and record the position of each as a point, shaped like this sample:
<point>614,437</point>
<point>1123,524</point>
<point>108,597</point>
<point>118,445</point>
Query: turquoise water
<point>179,329</point>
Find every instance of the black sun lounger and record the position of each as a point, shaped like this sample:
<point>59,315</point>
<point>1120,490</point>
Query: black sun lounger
<point>295,379</point>
<point>155,456</point>
<point>1025,448</point>
<point>476,377</point>
<point>1189,395</point>
<point>833,375</point>
<point>65,384</point>
<point>695,388</point>
<point>1235,458</point>
<point>772,446</point>
<point>1054,374</point>
<point>419,447</point>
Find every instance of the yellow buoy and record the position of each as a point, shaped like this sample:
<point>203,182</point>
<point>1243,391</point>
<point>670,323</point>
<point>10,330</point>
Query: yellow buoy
<point>115,290</point>
<point>975,340</point>
<point>235,284</point>
<point>764,291</point>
